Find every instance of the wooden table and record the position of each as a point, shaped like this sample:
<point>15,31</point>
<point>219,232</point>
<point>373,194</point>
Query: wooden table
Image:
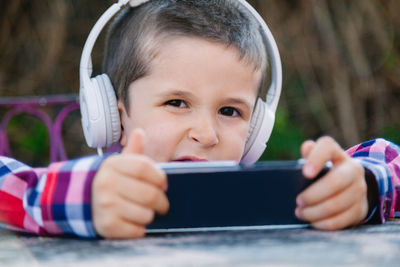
<point>374,245</point>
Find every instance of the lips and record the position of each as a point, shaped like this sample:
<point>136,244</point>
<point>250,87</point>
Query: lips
<point>189,158</point>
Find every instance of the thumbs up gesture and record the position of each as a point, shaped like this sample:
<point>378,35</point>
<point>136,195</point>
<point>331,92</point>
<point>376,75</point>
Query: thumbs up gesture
<point>127,191</point>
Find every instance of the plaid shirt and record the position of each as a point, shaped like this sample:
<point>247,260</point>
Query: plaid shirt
<point>56,200</point>
<point>53,200</point>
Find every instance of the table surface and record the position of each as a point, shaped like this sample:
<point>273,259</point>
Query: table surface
<point>367,245</point>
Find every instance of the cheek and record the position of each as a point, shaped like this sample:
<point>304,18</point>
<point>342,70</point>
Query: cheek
<point>161,138</point>
<point>235,143</point>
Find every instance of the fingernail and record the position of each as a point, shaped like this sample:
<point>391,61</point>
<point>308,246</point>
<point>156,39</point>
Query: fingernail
<point>308,170</point>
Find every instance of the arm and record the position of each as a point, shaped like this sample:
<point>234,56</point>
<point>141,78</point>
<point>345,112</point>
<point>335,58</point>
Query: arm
<point>53,200</point>
<point>380,158</point>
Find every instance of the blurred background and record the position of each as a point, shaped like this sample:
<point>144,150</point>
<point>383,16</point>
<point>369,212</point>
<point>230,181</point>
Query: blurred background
<point>340,65</point>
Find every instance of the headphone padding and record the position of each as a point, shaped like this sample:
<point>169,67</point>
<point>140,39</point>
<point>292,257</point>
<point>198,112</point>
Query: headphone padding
<point>93,120</point>
<point>113,124</point>
<point>260,128</point>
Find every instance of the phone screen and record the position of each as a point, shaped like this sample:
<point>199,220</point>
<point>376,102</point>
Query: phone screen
<point>226,195</point>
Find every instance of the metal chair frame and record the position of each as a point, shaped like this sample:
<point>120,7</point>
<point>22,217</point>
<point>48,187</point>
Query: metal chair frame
<point>34,106</point>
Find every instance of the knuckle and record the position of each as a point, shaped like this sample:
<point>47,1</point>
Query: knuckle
<point>143,164</point>
<point>151,197</point>
<point>106,201</point>
<point>326,140</point>
<point>103,183</point>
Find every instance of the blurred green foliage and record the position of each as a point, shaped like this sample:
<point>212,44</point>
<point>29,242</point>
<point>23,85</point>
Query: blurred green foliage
<point>28,139</point>
<point>285,140</point>
<point>392,61</point>
<point>392,133</point>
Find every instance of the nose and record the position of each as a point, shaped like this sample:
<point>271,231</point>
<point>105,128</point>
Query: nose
<point>204,131</point>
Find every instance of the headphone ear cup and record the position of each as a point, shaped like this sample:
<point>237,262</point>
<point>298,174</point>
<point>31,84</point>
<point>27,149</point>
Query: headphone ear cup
<point>260,129</point>
<point>100,116</point>
<point>110,110</point>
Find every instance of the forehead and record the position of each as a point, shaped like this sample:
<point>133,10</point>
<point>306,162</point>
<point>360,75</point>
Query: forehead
<point>173,44</point>
<point>202,60</point>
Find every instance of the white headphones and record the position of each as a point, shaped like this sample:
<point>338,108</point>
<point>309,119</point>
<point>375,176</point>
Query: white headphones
<point>100,117</point>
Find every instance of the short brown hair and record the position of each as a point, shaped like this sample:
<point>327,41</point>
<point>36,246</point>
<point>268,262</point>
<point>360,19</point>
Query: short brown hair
<point>133,38</point>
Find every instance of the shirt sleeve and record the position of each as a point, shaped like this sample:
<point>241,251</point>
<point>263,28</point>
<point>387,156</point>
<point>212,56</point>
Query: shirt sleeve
<point>381,158</point>
<point>48,201</point>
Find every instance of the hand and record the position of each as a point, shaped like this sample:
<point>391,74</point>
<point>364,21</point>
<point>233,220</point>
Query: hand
<point>127,191</point>
<point>337,200</point>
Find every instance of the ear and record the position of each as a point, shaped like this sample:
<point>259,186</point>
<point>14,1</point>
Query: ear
<point>124,116</point>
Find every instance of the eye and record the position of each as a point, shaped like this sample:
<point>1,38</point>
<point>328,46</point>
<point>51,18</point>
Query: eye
<point>229,111</point>
<point>176,103</point>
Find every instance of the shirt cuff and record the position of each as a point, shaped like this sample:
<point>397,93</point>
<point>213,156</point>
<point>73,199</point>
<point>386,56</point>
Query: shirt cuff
<point>70,207</point>
<point>376,177</point>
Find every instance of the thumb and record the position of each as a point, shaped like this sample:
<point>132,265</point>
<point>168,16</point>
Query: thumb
<point>135,144</point>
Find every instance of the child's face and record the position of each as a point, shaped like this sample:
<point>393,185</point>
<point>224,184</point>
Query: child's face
<point>195,104</point>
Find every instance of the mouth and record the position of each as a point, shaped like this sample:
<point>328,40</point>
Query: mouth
<point>189,159</point>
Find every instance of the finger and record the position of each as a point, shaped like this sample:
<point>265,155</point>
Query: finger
<point>335,181</point>
<point>325,149</point>
<point>350,217</point>
<point>135,143</point>
<point>139,167</point>
<point>334,205</point>
<point>134,213</point>
<point>123,230</point>
<point>144,194</point>
<point>306,148</point>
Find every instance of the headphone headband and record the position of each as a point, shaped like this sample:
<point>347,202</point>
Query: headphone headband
<point>274,91</point>
<point>86,66</point>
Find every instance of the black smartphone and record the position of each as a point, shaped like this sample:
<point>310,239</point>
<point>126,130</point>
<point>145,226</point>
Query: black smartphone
<point>226,195</point>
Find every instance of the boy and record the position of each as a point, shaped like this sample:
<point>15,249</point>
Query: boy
<point>187,75</point>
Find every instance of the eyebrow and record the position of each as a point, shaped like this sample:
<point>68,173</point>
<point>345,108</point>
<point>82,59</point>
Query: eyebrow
<point>239,101</point>
<point>177,92</point>
<point>180,93</point>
